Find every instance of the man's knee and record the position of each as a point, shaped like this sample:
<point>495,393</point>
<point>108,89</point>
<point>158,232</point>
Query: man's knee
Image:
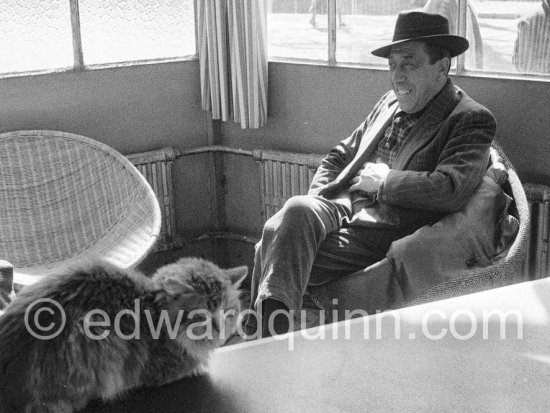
<point>295,211</point>
<point>299,204</point>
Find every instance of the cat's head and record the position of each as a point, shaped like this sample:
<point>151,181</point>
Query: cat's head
<point>208,296</point>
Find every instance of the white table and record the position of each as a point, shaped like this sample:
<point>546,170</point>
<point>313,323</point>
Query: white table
<point>441,361</point>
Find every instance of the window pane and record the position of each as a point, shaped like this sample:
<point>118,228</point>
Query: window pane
<point>364,25</point>
<point>505,35</point>
<point>516,35</point>
<point>369,24</point>
<point>128,30</point>
<point>298,29</point>
<point>36,35</point>
<point>449,9</point>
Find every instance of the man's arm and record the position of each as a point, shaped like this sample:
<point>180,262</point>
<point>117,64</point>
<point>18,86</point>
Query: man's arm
<point>460,169</point>
<point>336,160</point>
<point>343,153</point>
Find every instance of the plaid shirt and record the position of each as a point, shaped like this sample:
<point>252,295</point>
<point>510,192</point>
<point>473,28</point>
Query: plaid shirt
<point>395,135</point>
<point>388,147</point>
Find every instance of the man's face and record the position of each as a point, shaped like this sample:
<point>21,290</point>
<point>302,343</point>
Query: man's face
<point>414,80</point>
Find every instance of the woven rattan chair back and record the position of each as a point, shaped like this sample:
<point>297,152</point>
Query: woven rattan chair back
<point>66,198</point>
<point>505,271</point>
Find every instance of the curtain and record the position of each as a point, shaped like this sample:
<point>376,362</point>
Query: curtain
<point>232,44</point>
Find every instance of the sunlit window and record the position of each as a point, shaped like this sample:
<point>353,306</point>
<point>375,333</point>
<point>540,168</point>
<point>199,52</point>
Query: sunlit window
<point>38,35</point>
<point>128,30</point>
<point>506,36</point>
<point>297,29</point>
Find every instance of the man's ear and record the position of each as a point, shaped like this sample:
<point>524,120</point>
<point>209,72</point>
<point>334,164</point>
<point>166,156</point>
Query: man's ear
<point>444,66</point>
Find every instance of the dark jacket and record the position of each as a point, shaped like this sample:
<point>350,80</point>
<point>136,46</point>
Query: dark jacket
<point>437,169</point>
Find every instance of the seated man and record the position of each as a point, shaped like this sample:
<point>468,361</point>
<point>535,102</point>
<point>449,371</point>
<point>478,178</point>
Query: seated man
<point>418,156</point>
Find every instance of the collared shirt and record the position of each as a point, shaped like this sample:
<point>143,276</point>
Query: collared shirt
<point>386,152</point>
<point>394,136</point>
<point>365,206</point>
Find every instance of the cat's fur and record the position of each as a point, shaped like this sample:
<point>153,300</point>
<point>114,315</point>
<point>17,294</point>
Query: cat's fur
<point>64,373</point>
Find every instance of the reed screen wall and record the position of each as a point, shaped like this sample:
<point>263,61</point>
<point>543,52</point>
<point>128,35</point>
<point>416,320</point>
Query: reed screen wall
<point>536,261</point>
<point>285,174</point>
<point>156,166</point>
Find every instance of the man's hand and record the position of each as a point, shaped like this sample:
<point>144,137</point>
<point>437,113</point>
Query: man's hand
<point>370,177</point>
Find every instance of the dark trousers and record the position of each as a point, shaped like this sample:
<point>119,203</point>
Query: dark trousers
<point>310,242</point>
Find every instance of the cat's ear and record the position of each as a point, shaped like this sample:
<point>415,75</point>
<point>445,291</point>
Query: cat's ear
<point>237,275</point>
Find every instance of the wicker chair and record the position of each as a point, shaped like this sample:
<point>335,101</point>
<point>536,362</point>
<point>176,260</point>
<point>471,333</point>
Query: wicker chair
<point>65,198</point>
<point>505,271</point>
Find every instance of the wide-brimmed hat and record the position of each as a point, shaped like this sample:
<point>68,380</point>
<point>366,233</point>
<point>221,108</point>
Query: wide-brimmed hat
<point>427,27</point>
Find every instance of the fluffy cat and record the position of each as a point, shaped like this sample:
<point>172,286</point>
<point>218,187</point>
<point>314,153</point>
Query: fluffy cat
<point>112,330</point>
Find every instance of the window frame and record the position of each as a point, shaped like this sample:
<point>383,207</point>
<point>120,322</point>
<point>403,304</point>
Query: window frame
<point>459,69</point>
<point>78,53</point>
